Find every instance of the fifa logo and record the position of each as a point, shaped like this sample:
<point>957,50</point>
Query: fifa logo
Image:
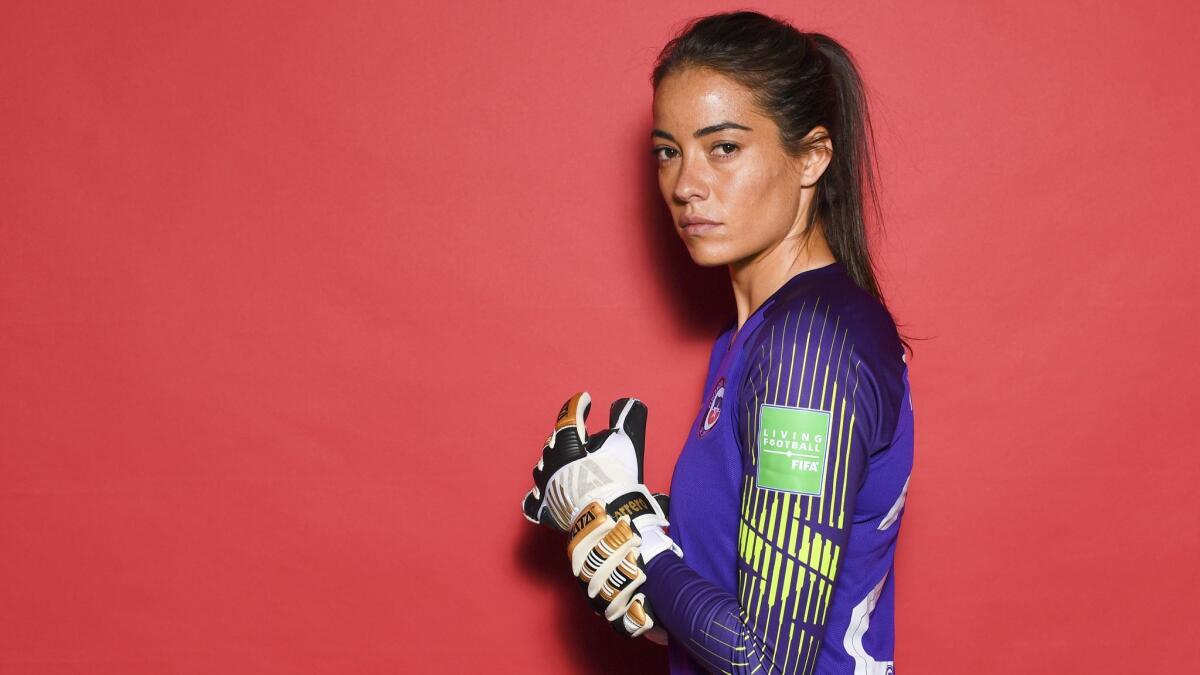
<point>714,407</point>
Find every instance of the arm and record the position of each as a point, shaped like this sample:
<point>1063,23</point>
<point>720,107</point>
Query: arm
<point>806,414</point>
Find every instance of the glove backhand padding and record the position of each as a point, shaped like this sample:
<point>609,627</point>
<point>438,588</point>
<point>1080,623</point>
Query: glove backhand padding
<point>575,468</point>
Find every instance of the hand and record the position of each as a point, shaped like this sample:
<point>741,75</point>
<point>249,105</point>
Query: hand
<point>607,559</point>
<point>590,484</point>
<point>575,468</point>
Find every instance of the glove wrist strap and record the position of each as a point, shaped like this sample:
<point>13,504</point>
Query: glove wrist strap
<point>655,541</point>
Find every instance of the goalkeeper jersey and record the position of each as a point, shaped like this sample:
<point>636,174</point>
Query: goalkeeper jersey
<point>787,497</point>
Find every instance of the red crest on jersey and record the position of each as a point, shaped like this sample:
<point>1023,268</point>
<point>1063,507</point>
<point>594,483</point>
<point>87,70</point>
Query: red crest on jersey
<point>714,406</point>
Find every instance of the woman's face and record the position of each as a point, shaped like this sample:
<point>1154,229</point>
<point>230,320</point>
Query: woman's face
<point>720,159</point>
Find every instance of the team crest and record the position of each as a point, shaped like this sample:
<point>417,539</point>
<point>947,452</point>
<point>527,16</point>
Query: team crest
<point>714,407</point>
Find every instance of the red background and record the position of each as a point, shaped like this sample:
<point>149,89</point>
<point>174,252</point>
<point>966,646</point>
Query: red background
<point>290,294</point>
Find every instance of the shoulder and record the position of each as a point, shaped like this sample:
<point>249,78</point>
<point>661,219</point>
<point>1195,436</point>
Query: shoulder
<point>822,338</point>
<point>830,309</point>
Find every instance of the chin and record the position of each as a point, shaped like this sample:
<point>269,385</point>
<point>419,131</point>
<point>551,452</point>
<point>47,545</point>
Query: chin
<point>709,256</point>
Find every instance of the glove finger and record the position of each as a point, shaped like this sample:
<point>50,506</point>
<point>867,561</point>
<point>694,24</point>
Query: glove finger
<point>531,506</point>
<point>621,584</point>
<point>535,511</point>
<point>590,526</point>
<point>563,446</point>
<point>592,550</point>
<point>610,553</point>
<point>636,619</point>
<point>570,429</point>
<point>628,417</point>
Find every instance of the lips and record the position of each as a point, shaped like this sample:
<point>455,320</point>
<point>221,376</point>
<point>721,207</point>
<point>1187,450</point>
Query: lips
<point>699,228</point>
<point>696,224</point>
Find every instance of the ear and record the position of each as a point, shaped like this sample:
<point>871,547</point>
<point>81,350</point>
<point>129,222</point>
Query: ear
<point>814,162</point>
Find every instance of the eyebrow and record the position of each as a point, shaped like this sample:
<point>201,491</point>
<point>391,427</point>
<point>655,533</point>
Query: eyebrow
<point>659,133</point>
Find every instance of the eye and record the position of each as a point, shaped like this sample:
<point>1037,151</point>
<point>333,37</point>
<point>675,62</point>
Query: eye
<point>733,148</point>
<point>659,149</point>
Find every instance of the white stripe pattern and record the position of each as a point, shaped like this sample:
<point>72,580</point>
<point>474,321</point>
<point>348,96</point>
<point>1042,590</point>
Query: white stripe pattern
<point>860,620</point>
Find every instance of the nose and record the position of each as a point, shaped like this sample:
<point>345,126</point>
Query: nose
<point>691,183</point>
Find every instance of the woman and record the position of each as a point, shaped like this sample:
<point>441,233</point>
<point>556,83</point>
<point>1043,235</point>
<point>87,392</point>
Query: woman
<point>787,497</point>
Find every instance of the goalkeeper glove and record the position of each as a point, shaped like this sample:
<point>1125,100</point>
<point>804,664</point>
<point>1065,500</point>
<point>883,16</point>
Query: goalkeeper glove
<point>593,487</point>
<point>606,556</point>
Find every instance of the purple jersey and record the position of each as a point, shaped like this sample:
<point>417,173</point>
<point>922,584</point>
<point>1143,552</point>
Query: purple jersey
<point>787,496</point>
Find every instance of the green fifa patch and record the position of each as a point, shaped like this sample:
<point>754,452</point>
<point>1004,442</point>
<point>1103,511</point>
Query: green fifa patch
<point>793,448</point>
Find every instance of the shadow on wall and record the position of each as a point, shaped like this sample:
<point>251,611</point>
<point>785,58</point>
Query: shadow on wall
<point>594,647</point>
<point>700,302</point>
<point>699,298</point>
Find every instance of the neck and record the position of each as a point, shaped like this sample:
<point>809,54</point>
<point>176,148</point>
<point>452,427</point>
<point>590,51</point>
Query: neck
<point>755,278</point>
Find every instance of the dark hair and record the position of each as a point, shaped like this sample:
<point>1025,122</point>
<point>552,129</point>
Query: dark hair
<point>801,81</point>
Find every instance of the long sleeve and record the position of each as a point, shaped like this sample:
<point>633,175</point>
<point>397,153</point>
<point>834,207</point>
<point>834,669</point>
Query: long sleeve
<point>806,415</point>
